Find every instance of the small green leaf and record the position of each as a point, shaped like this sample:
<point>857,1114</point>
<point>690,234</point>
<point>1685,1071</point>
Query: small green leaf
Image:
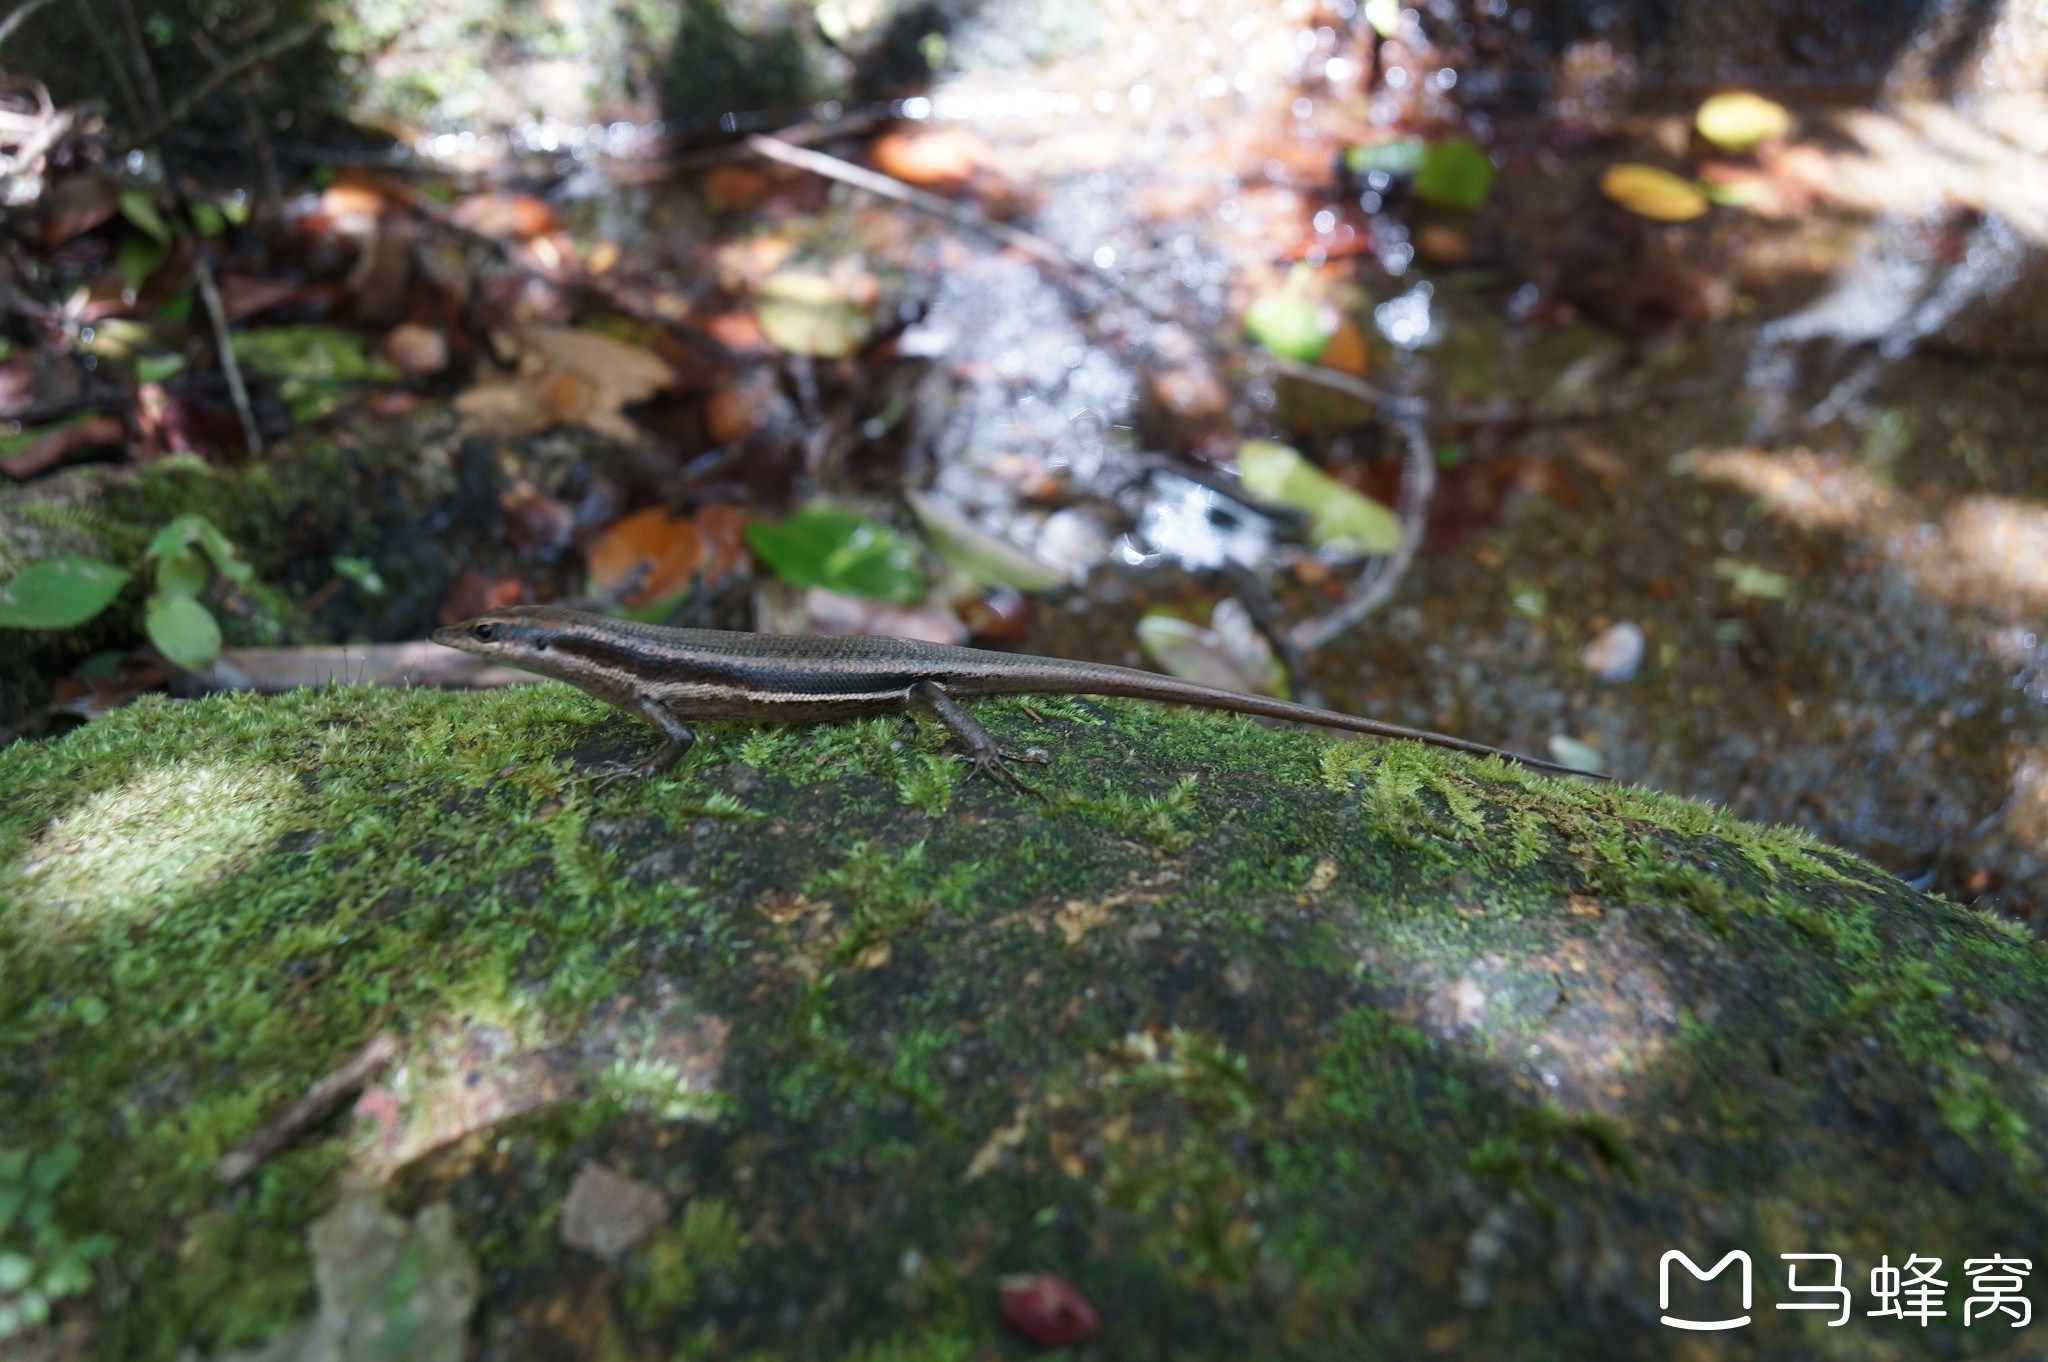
<point>1340,519</point>
<point>208,220</point>
<point>838,550</point>
<point>68,1276</point>
<point>1398,156</point>
<point>140,210</point>
<point>183,573</point>
<point>184,631</point>
<point>1738,120</point>
<point>15,1272</point>
<point>989,560</point>
<point>236,209</point>
<point>361,571</point>
<point>1748,579</point>
<point>1454,173</point>
<point>138,259</point>
<point>89,1010</point>
<point>807,314</point>
<point>52,1166</point>
<point>59,593</point>
<point>312,365</point>
<point>1288,324</point>
<point>177,309</point>
<point>157,368</point>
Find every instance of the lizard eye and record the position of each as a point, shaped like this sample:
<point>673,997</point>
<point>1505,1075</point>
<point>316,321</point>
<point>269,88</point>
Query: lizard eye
<point>486,633</point>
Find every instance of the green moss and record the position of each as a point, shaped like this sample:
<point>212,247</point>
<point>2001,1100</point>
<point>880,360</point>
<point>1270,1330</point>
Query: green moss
<point>1246,1033</point>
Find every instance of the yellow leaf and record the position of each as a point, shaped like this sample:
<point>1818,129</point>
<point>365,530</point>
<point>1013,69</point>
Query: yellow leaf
<point>1738,120</point>
<point>1653,193</point>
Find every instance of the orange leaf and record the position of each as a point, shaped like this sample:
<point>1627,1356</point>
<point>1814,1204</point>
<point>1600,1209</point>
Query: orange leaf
<point>503,216</point>
<point>657,552</point>
<point>941,159</point>
<point>723,529</point>
<point>1346,349</point>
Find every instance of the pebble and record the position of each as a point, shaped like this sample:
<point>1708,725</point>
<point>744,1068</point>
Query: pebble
<point>1616,653</point>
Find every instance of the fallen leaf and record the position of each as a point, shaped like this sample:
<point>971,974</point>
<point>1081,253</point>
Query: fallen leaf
<point>414,350</point>
<point>1748,579</point>
<point>1290,324</point>
<point>835,612</point>
<point>504,216</point>
<point>807,313</point>
<point>566,375</point>
<point>825,546</point>
<point>1046,1309</point>
<point>1340,519</point>
<point>76,204</point>
<point>1454,173</point>
<point>1347,351</point>
<point>655,553</point>
<point>1228,654</point>
<point>243,296</point>
<point>34,451</point>
<point>538,526</point>
<point>1739,120</point>
<point>1652,193</point>
<point>723,529</point>
<point>984,556</point>
<point>476,591</point>
<point>1580,756</point>
<point>731,188</point>
<point>938,158</point>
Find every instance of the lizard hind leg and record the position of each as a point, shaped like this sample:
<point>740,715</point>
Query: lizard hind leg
<point>987,756</point>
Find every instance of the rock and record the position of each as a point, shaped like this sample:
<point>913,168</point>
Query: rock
<point>607,1214</point>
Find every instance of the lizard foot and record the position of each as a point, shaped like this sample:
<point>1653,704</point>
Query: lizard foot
<point>996,766</point>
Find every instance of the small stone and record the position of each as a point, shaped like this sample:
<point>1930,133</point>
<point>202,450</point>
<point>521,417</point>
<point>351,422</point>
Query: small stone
<point>607,1214</point>
<point>1616,653</point>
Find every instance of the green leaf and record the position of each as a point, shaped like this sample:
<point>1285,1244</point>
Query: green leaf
<point>1738,120</point>
<point>157,368</point>
<point>138,259</point>
<point>807,314</point>
<point>28,436</point>
<point>236,210</point>
<point>1288,324</point>
<point>52,1166</point>
<point>1749,579</point>
<point>15,1272</point>
<point>183,631</point>
<point>838,550</point>
<point>183,573</point>
<point>59,593</point>
<point>68,1276</point>
<point>989,560</point>
<point>1340,519</point>
<point>1454,173</point>
<point>361,571</point>
<point>182,533</point>
<point>208,220</point>
<point>140,210</point>
<point>312,365</point>
<point>1398,156</point>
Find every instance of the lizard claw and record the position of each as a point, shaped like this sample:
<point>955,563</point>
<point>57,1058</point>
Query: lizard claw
<point>995,765</point>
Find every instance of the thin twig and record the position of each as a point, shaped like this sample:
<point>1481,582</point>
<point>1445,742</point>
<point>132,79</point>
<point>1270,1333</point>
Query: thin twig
<point>860,177</point>
<point>1418,486</point>
<point>294,1120</point>
<point>224,351</point>
<point>21,15</point>
<point>239,66</point>
<point>138,53</point>
<point>111,57</point>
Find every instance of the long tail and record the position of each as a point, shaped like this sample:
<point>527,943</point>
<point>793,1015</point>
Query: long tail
<point>1103,679</point>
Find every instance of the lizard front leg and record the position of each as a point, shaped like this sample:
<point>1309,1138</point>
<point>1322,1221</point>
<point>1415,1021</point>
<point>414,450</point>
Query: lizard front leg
<point>987,755</point>
<point>680,740</point>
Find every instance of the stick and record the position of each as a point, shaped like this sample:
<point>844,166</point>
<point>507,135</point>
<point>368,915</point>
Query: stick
<point>1418,485</point>
<point>860,177</point>
<point>293,1121</point>
<point>145,74</point>
<point>21,15</point>
<point>224,350</point>
<point>115,70</point>
<point>254,56</point>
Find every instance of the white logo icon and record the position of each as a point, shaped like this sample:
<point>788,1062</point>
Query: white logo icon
<point>1664,1289</point>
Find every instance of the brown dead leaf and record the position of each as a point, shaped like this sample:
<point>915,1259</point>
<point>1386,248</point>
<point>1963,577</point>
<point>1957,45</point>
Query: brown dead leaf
<point>538,526</point>
<point>243,295</point>
<point>936,158</point>
<point>731,188</point>
<point>76,204</point>
<point>737,330</point>
<point>657,554</point>
<point>60,443</point>
<point>723,530</point>
<point>1346,350</point>
<point>475,592</point>
<point>504,216</point>
<point>415,350</point>
<point>566,375</point>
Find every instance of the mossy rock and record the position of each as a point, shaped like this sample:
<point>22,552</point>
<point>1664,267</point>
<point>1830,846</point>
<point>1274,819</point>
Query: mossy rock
<point>1270,1044</point>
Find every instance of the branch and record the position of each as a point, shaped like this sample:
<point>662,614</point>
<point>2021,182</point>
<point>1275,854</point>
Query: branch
<point>281,1129</point>
<point>1376,586</point>
<point>255,56</point>
<point>21,15</point>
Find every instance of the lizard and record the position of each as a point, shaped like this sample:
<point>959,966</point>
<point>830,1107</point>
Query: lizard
<point>669,676</point>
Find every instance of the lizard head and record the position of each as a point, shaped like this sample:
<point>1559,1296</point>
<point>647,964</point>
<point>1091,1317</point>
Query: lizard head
<point>517,635</point>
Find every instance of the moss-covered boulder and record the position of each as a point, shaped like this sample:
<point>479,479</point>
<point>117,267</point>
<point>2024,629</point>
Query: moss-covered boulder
<point>1265,1043</point>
